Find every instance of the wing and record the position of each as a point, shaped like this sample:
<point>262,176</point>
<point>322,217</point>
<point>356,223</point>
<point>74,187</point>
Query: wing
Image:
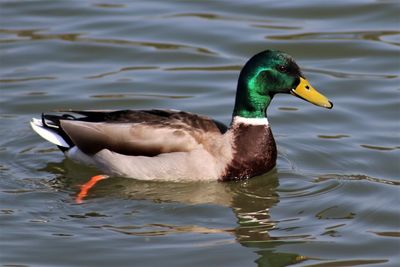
<point>137,132</point>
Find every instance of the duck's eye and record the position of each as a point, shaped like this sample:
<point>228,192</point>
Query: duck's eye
<point>282,68</point>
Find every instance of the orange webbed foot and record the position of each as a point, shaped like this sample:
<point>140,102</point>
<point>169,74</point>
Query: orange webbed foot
<point>87,186</point>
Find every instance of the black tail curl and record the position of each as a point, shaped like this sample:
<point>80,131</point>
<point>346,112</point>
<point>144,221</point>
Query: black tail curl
<point>53,123</point>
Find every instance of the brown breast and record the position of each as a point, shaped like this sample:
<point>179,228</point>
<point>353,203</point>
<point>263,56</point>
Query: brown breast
<point>254,152</point>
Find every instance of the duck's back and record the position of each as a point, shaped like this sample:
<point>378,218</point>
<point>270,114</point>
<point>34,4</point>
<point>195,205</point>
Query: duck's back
<point>134,132</point>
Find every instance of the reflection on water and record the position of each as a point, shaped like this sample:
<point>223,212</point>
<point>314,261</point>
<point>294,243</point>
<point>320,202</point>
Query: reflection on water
<point>250,201</point>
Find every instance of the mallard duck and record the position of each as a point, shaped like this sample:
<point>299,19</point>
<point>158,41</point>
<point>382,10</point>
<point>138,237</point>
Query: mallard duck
<point>174,145</point>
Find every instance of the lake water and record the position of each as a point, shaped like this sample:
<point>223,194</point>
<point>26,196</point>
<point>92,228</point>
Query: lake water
<point>333,199</point>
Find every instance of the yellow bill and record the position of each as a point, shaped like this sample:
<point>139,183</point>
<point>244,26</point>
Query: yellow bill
<point>305,91</point>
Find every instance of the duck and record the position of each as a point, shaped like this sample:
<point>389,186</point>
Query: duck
<point>173,145</point>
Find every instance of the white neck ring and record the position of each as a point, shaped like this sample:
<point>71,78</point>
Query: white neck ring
<point>250,121</point>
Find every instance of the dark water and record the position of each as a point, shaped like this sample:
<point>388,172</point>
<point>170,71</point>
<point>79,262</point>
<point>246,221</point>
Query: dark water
<point>333,199</point>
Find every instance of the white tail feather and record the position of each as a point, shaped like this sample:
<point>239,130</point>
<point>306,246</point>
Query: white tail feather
<point>47,133</point>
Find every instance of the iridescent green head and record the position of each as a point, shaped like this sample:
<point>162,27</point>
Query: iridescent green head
<point>266,74</point>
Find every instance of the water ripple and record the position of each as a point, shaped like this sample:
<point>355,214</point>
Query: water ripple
<point>336,136</point>
<point>208,68</point>
<point>356,177</point>
<point>313,189</point>
<point>364,35</point>
<point>34,34</point>
<point>27,79</point>
<point>138,68</point>
<point>133,95</point>
<point>106,5</point>
<point>327,214</point>
<point>213,16</point>
<point>162,229</point>
<point>276,27</point>
<point>134,68</point>
<point>347,75</point>
<point>347,263</point>
<point>387,234</point>
<point>380,148</point>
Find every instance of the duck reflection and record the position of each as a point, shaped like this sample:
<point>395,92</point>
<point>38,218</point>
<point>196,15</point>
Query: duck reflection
<point>249,200</point>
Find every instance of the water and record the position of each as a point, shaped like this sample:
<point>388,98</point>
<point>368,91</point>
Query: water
<point>333,198</point>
